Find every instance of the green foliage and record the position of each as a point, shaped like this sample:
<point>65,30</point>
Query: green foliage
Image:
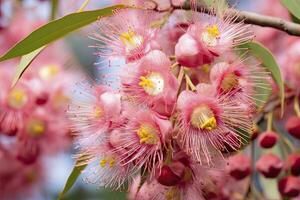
<point>72,179</point>
<point>269,62</point>
<point>293,6</point>
<point>55,30</point>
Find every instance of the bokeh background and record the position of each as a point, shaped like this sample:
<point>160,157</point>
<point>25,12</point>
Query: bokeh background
<point>58,167</point>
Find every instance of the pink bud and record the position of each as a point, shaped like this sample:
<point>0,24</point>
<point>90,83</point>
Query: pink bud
<point>27,152</point>
<point>293,163</point>
<point>187,50</point>
<point>268,139</point>
<point>289,186</point>
<point>42,99</point>
<point>293,126</point>
<point>239,166</point>
<point>171,175</point>
<point>269,165</point>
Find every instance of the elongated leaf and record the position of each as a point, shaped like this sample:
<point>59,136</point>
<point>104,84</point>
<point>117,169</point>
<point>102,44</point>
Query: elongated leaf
<point>269,62</point>
<point>26,60</point>
<point>293,6</point>
<point>71,180</point>
<point>54,8</point>
<point>55,30</point>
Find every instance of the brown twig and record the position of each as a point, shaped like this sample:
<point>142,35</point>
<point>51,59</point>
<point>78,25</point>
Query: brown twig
<point>253,18</point>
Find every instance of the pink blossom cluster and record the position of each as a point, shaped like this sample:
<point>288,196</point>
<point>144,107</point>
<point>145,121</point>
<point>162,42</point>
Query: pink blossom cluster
<point>33,121</point>
<point>185,99</point>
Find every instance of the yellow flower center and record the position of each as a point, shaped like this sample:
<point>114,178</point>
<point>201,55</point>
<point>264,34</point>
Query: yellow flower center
<point>131,40</point>
<point>153,83</point>
<point>213,31</point>
<point>36,127</point>
<point>17,98</point>
<point>98,112</point>
<point>210,35</point>
<point>147,134</point>
<point>172,194</point>
<point>60,99</point>
<point>203,118</point>
<point>108,161</point>
<point>229,82</point>
<point>205,68</point>
<point>49,71</point>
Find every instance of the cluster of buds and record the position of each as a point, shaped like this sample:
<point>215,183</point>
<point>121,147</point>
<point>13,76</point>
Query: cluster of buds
<point>178,99</point>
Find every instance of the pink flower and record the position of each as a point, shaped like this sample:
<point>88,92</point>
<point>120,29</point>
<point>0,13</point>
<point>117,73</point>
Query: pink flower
<point>152,83</point>
<point>39,128</point>
<point>195,182</point>
<point>208,38</point>
<point>18,181</point>
<point>127,34</point>
<point>244,82</point>
<point>93,112</point>
<point>142,139</point>
<point>15,103</point>
<point>205,120</point>
<point>105,167</point>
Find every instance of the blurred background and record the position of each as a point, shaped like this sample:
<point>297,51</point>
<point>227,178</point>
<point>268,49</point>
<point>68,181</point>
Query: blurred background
<point>24,16</point>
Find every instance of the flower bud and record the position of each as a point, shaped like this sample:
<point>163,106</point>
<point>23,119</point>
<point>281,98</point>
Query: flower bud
<point>171,175</point>
<point>42,99</point>
<point>268,139</point>
<point>27,152</point>
<point>293,163</point>
<point>187,51</point>
<point>293,126</point>
<point>269,165</point>
<point>239,166</point>
<point>289,186</point>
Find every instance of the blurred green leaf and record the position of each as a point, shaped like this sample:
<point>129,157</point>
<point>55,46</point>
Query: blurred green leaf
<point>26,60</point>
<point>269,62</point>
<point>293,6</point>
<point>54,8</point>
<point>72,179</point>
<point>56,29</point>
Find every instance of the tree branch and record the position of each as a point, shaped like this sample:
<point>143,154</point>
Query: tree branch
<point>253,18</point>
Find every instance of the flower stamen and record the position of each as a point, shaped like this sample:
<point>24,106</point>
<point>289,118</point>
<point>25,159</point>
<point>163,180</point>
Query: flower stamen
<point>229,82</point>
<point>210,35</point>
<point>153,84</point>
<point>131,40</point>
<point>203,118</point>
<point>147,134</point>
<point>36,128</point>
<point>108,161</point>
<point>17,98</point>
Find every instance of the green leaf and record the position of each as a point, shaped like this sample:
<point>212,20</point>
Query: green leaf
<point>72,179</point>
<point>269,62</point>
<point>26,60</point>
<point>55,30</point>
<point>54,8</point>
<point>293,6</point>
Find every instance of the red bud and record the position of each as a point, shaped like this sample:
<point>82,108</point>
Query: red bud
<point>268,139</point>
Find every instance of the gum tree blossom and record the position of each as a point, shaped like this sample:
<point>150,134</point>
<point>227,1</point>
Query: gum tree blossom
<point>195,183</point>
<point>152,83</point>
<point>205,120</point>
<point>127,34</point>
<point>209,37</point>
<point>15,103</point>
<point>93,114</point>
<point>243,83</point>
<point>142,139</point>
